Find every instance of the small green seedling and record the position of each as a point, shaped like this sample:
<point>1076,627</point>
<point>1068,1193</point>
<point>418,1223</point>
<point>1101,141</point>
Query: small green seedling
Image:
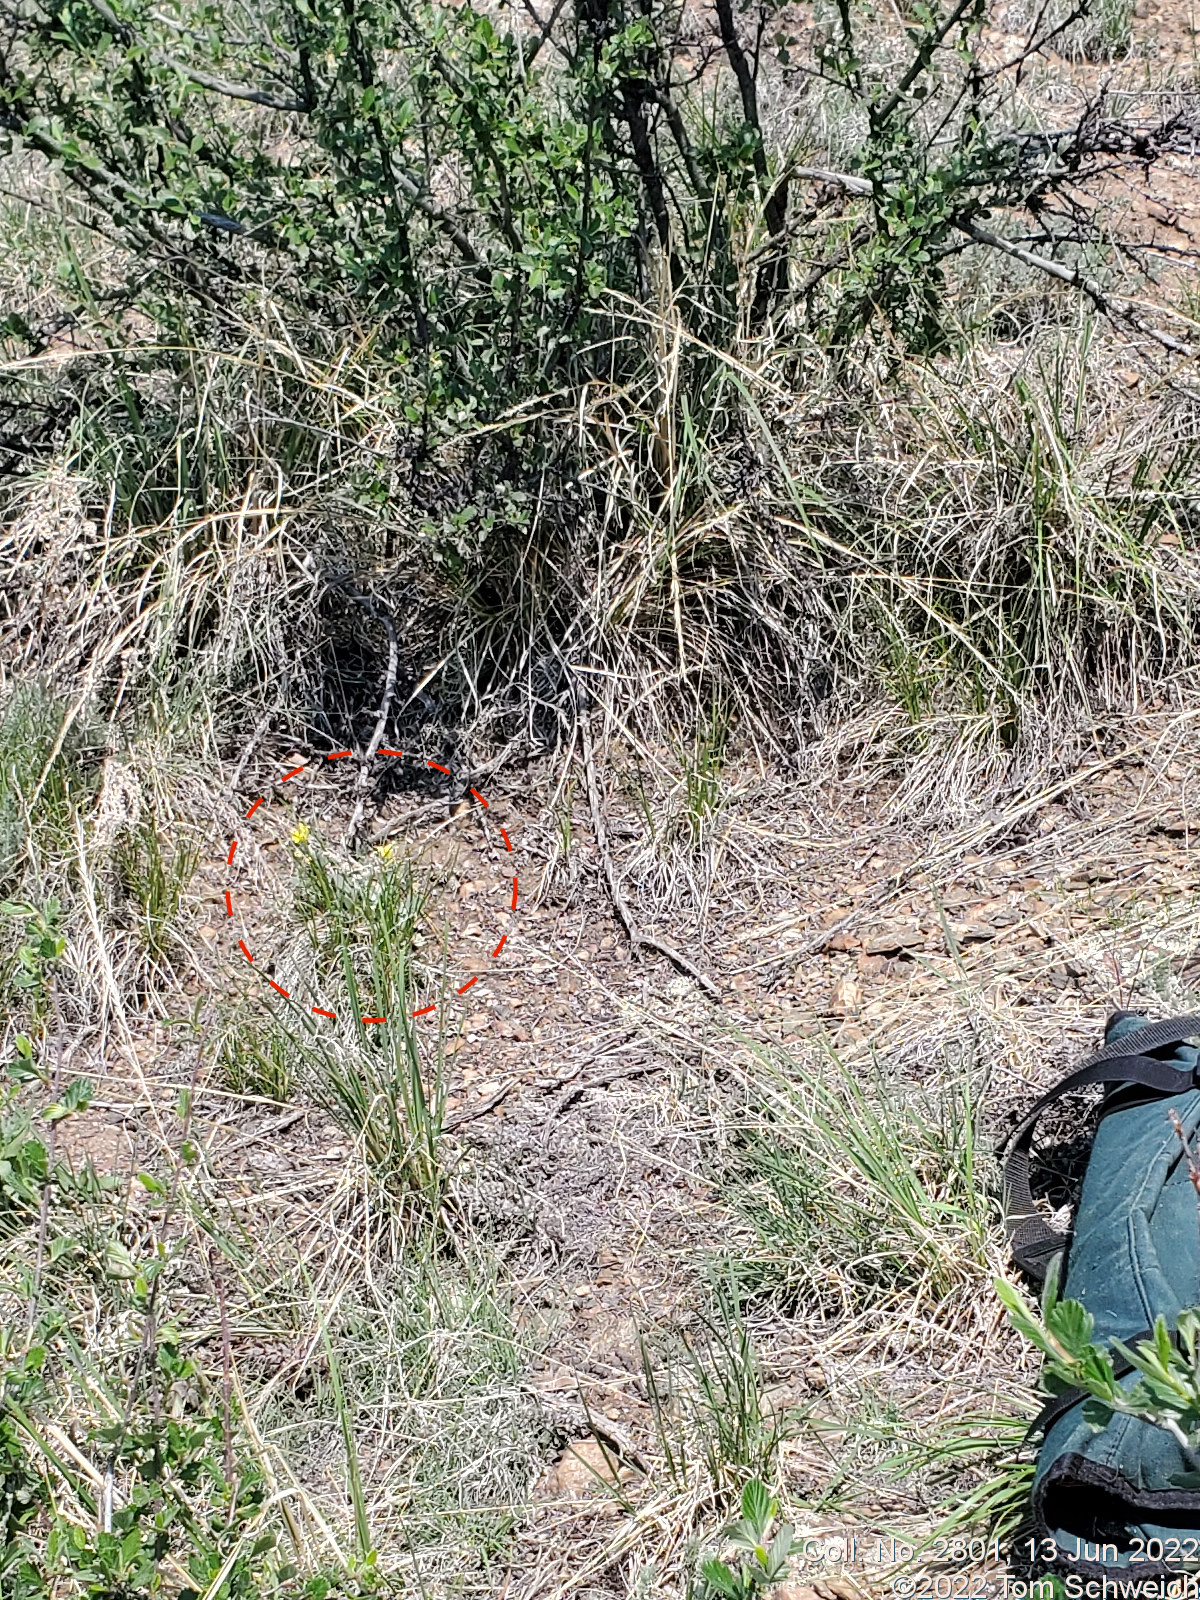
<point>40,948</point>
<point>767,1561</point>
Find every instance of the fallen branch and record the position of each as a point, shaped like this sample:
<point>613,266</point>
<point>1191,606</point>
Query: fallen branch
<point>482,1109</point>
<point>637,939</point>
<point>1117,310</point>
<point>842,180</point>
<point>203,80</point>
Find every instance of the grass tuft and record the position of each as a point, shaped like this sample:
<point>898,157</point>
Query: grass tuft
<point>380,1081</point>
<point>859,1191</point>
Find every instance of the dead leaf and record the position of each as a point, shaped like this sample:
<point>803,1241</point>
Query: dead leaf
<point>845,999</point>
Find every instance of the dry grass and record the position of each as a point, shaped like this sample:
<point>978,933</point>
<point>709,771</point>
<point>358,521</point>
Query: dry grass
<point>884,641</point>
<point>829,1324</point>
<point>822,1228</point>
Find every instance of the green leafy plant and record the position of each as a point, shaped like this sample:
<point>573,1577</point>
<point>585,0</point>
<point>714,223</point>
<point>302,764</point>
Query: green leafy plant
<point>706,1389</point>
<point>26,1168</point>
<point>1105,33</point>
<point>739,1434</point>
<point>766,1562</point>
<point>1167,1390</point>
<point>575,162</point>
<point>178,1500</point>
<point>41,945</point>
<point>24,1490</point>
<point>974,1464</point>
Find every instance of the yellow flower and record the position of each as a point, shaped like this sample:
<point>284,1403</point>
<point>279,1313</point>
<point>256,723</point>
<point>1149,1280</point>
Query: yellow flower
<point>384,852</point>
<point>300,833</point>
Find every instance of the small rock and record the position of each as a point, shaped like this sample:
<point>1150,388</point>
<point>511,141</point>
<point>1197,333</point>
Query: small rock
<point>796,1591</point>
<point>583,1472</point>
<point>843,1588</point>
<point>974,933</point>
<point>845,999</point>
<point>844,941</point>
<point>1005,917</point>
<point>209,935</point>
<point>892,940</point>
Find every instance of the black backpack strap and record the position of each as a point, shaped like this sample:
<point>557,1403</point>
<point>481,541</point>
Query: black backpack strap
<point>1034,1243</point>
<point>1150,1036</point>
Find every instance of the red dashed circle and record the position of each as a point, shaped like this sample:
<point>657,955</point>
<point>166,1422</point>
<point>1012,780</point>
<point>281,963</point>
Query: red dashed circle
<point>338,755</point>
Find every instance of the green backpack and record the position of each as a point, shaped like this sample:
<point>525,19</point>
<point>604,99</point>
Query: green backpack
<point>1109,1501</point>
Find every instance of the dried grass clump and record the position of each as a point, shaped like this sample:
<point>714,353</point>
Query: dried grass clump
<point>973,557</point>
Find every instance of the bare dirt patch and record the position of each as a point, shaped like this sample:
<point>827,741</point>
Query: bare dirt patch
<point>598,1110</point>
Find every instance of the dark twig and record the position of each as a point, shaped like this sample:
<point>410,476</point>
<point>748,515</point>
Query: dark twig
<point>269,1130</point>
<point>637,939</point>
<point>1108,305</point>
<point>385,707</point>
<point>572,1092</point>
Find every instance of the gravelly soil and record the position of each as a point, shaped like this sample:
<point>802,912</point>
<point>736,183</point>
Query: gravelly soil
<point>589,1091</point>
